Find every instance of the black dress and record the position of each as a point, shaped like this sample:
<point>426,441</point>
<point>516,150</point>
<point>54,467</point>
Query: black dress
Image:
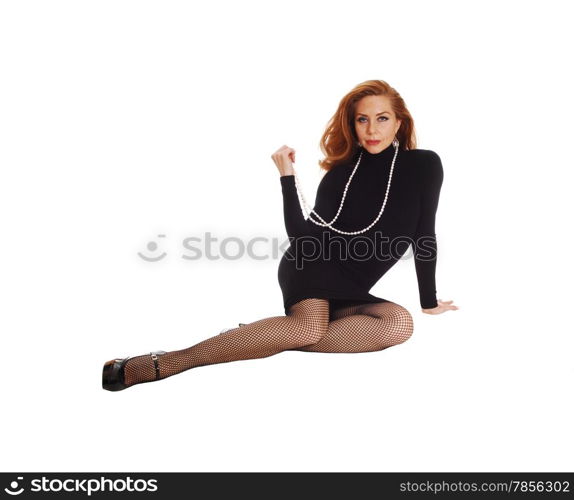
<point>321,263</point>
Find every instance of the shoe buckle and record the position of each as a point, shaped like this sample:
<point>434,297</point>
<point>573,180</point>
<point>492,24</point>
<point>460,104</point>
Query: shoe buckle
<point>155,364</point>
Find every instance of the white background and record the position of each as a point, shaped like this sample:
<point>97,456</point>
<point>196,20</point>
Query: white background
<point>123,120</point>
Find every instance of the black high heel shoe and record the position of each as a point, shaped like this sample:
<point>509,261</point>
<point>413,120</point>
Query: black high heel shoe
<point>113,376</point>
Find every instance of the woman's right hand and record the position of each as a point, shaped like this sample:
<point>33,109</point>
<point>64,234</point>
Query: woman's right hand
<point>284,158</point>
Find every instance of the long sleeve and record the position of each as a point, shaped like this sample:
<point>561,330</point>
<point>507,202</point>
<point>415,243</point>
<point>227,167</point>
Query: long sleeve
<point>295,223</point>
<point>425,248</point>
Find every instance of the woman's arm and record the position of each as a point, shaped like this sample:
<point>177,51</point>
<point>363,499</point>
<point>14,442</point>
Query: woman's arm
<point>295,223</point>
<point>425,248</point>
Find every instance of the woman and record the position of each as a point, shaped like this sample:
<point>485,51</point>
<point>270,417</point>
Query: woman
<point>379,196</point>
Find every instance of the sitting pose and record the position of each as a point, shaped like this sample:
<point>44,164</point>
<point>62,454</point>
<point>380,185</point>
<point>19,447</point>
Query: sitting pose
<point>378,196</point>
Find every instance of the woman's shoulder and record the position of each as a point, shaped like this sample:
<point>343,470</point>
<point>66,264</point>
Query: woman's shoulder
<point>423,155</point>
<point>336,170</point>
<point>426,162</point>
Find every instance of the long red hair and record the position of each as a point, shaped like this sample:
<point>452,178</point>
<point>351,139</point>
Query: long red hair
<point>339,141</point>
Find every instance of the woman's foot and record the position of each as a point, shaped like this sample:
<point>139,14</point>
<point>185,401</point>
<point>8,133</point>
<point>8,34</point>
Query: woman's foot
<point>119,374</point>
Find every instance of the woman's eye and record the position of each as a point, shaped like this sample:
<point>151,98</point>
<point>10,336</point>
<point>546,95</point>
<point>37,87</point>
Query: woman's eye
<point>363,118</point>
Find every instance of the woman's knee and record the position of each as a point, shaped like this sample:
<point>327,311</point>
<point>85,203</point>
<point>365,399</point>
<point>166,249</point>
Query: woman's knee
<point>403,321</point>
<point>397,323</point>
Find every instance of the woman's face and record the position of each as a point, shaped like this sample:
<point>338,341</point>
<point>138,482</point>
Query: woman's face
<point>375,121</point>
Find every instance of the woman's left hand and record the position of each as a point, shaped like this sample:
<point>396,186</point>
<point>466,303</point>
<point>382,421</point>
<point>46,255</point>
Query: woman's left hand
<point>443,306</point>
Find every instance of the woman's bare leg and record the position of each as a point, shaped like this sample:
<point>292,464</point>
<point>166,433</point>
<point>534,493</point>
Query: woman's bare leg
<point>365,328</point>
<point>305,324</point>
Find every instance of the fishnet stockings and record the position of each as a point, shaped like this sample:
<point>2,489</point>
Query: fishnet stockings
<point>309,326</point>
<point>365,328</point>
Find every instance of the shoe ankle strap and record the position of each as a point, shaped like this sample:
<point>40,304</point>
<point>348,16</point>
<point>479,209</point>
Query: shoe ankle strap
<point>156,364</point>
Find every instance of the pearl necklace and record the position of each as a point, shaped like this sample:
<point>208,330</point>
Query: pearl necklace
<point>329,224</point>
